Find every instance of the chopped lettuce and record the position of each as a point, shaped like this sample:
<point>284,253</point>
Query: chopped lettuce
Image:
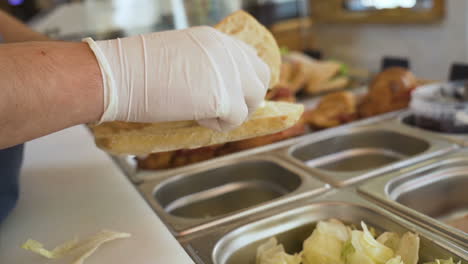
<point>347,250</point>
<point>272,253</point>
<point>367,249</point>
<point>284,50</point>
<point>332,242</point>
<point>389,239</point>
<point>57,252</point>
<point>443,261</point>
<point>395,260</point>
<point>344,69</point>
<point>408,248</point>
<point>326,243</point>
<point>79,249</point>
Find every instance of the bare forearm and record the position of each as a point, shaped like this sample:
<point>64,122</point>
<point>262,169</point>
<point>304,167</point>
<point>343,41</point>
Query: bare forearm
<point>12,30</point>
<point>45,87</point>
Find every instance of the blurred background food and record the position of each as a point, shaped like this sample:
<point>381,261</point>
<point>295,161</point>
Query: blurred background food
<point>389,91</point>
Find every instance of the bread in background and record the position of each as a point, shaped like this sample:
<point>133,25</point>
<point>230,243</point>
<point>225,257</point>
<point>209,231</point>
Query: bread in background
<point>333,110</point>
<point>389,91</point>
<point>301,72</point>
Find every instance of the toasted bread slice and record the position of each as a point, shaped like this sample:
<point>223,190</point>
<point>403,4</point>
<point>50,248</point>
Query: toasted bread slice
<point>142,138</point>
<point>243,26</point>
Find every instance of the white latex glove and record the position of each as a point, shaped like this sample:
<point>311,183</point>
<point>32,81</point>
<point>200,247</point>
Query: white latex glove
<point>193,74</point>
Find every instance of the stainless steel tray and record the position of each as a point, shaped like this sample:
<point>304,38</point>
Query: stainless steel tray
<point>237,243</point>
<point>457,138</point>
<point>427,193</point>
<point>229,189</point>
<point>348,155</point>
<point>129,166</point>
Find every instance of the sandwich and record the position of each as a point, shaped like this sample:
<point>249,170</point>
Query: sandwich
<point>320,76</point>
<point>272,117</point>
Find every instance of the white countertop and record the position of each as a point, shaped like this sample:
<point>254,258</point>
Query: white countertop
<point>70,188</point>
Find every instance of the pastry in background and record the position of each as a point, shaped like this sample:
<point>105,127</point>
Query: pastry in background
<point>292,76</point>
<point>325,76</point>
<point>333,110</point>
<point>389,91</point>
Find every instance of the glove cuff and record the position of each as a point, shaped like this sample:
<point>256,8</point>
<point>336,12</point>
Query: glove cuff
<point>109,90</point>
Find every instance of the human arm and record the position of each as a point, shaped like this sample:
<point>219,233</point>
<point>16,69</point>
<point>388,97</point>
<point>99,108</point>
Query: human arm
<point>12,30</point>
<point>46,87</point>
<point>195,74</point>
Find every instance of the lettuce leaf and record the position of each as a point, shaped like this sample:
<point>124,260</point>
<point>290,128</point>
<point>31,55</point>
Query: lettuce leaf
<point>408,248</point>
<point>367,249</point>
<point>389,239</point>
<point>326,243</point>
<point>395,260</point>
<point>443,261</point>
<point>80,249</point>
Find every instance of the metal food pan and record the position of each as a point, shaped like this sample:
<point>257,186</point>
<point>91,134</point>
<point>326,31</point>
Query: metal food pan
<point>128,164</point>
<point>347,156</point>
<point>406,119</point>
<point>214,194</point>
<point>432,194</point>
<point>237,243</point>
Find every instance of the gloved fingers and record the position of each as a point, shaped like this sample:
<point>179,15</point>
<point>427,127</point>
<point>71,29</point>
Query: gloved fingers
<point>255,76</point>
<point>235,118</point>
<point>234,110</point>
<point>261,68</point>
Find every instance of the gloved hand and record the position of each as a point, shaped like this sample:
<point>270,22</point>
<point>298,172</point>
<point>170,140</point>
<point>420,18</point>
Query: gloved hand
<point>193,74</point>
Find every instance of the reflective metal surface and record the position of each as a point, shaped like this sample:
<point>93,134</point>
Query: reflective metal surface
<point>237,243</point>
<point>362,150</point>
<point>212,194</point>
<point>347,156</point>
<point>227,189</point>
<point>432,194</point>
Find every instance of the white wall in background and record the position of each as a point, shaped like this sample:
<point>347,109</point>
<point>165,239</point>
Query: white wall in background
<point>431,48</point>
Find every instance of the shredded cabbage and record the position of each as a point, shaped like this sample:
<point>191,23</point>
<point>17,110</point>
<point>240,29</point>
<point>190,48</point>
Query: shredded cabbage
<point>389,239</point>
<point>408,248</point>
<point>395,260</point>
<point>272,253</point>
<point>326,243</point>
<point>81,250</point>
<point>365,245</point>
<point>443,261</point>
<point>332,242</point>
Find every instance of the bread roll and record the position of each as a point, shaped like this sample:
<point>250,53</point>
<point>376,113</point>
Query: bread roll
<point>141,138</point>
<point>333,110</point>
<point>243,26</point>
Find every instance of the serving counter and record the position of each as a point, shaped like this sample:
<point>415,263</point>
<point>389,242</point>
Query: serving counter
<point>70,188</point>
